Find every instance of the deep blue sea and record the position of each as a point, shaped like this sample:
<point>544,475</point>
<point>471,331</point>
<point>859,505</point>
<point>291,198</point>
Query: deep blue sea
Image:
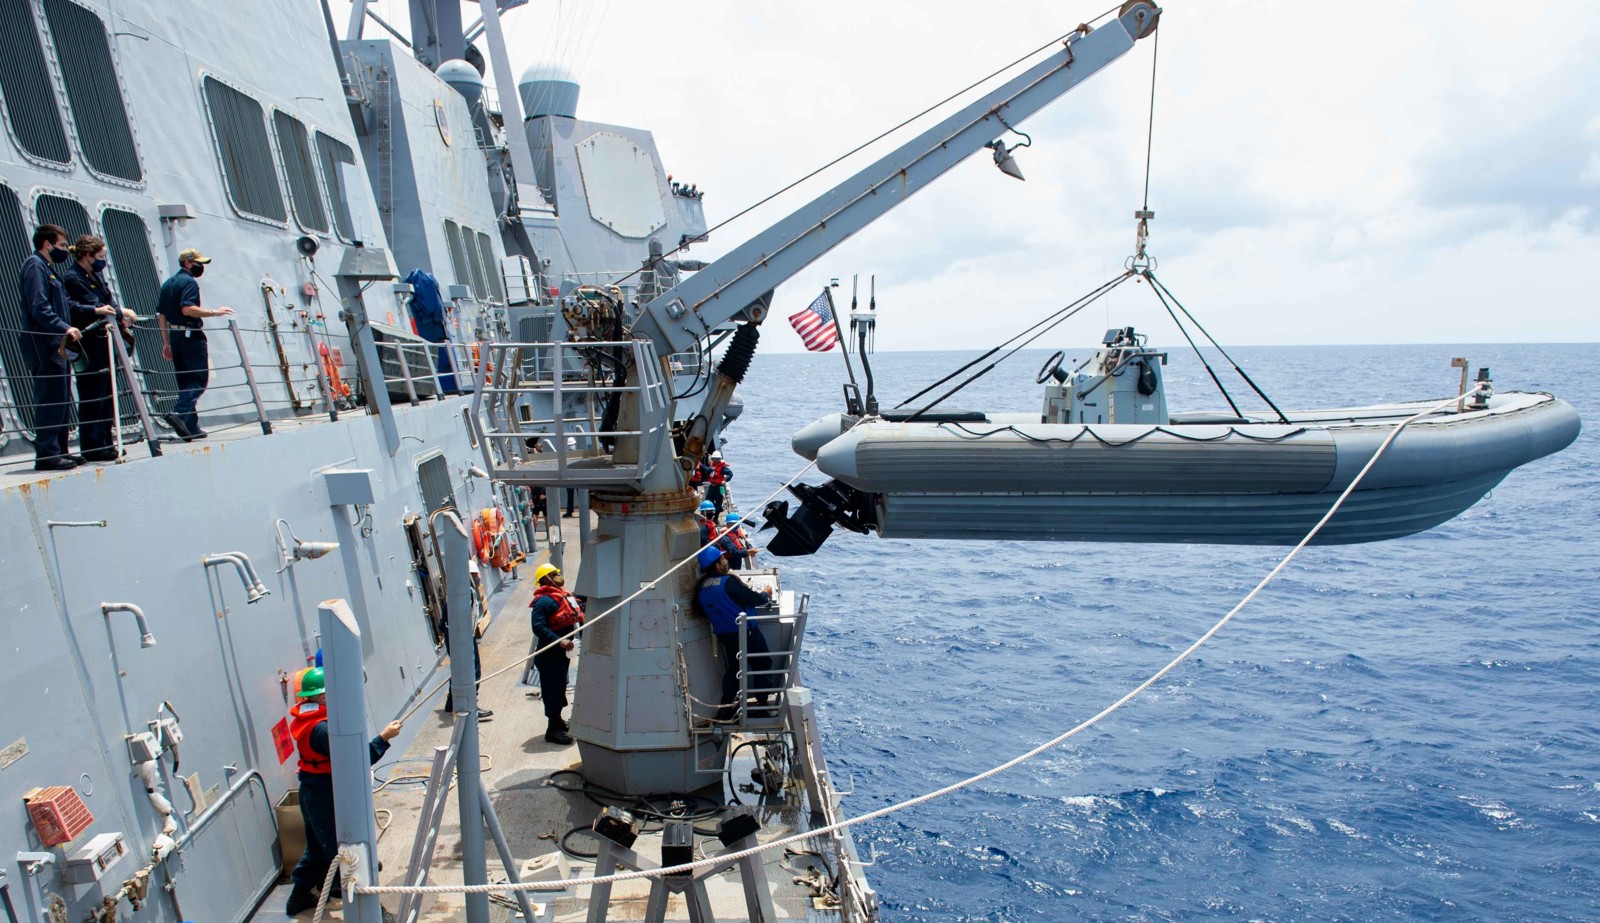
<point>1397,731</point>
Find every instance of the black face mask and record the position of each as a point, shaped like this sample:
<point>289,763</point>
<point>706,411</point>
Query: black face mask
<point>59,254</point>
<point>99,265</point>
<point>197,269</point>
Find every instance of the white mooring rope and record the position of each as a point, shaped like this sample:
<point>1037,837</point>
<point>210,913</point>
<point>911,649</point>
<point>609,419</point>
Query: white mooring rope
<point>723,858</point>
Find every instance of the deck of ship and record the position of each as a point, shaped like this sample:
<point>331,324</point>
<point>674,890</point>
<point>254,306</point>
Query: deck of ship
<point>517,768</point>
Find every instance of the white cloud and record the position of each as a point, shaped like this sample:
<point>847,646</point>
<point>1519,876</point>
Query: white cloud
<point>1329,172</point>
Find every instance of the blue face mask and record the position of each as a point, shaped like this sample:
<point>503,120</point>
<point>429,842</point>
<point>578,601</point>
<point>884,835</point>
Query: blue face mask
<point>99,265</point>
<point>59,254</point>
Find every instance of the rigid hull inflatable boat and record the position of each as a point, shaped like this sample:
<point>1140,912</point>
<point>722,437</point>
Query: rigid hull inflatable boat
<point>1084,471</point>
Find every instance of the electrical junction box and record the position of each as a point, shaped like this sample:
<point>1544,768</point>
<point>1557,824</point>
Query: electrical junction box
<point>143,747</point>
<point>93,858</point>
<point>348,486</point>
<point>58,814</point>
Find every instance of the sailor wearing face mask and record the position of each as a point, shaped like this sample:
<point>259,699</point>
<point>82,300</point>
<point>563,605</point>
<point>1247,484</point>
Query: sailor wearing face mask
<point>184,336</point>
<point>46,324</point>
<point>91,300</point>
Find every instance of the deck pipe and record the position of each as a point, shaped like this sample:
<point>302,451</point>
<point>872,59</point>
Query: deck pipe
<point>254,589</point>
<point>146,639</point>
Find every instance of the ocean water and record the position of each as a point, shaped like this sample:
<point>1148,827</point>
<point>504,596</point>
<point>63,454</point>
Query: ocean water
<point>1403,730</point>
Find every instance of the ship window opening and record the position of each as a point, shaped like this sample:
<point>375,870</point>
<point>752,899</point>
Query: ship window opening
<point>334,156</point>
<point>490,271</point>
<point>138,280</point>
<point>458,262</point>
<point>28,88</point>
<point>90,75</point>
<point>294,145</point>
<point>469,248</point>
<point>15,237</point>
<point>68,213</point>
<point>239,126</point>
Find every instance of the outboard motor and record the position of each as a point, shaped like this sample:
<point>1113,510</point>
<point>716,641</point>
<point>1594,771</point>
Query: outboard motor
<point>821,508</point>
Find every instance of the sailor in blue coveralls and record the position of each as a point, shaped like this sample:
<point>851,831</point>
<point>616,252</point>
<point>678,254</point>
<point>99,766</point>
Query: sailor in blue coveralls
<point>183,332</point>
<point>46,323</point>
<point>722,598</point>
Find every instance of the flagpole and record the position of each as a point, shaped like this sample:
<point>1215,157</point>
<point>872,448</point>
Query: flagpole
<point>844,347</point>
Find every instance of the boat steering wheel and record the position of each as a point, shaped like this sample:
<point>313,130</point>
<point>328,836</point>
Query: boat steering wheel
<point>1051,366</point>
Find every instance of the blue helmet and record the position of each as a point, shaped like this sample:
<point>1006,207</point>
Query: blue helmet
<point>733,518</point>
<point>708,556</point>
<point>706,506</point>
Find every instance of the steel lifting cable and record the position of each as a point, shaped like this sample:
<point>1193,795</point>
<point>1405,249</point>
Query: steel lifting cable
<point>1156,285</point>
<point>651,264</point>
<point>725,857</point>
<point>996,348</point>
<point>588,623</point>
<point>1049,323</point>
<point>1196,347</point>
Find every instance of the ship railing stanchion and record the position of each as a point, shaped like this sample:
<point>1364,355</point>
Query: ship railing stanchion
<point>249,377</point>
<point>454,549</point>
<point>323,385</point>
<point>405,371</point>
<point>348,751</point>
<point>136,391</point>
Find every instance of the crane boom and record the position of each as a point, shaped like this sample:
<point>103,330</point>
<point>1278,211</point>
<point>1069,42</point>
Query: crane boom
<point>744,279</point>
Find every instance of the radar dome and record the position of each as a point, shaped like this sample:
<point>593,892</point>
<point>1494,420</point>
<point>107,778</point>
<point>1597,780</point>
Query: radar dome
<point>547,89</point>
<point>463,78</point>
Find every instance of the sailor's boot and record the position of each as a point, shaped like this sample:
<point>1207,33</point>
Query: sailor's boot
<point>301,899</point>
<point>556,733</point>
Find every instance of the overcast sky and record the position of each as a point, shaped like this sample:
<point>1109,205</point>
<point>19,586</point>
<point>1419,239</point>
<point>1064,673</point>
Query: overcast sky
<point>1323,172</point>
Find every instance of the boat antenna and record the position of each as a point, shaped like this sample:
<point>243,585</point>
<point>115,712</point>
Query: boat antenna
<point>863,327</point>
<point>852,391</point>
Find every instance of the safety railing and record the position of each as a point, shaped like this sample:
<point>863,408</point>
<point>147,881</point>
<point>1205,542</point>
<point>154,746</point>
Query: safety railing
<point>133,383</point>
<point>131,379</point>
<point>554,430</point>
<point>765,676</point>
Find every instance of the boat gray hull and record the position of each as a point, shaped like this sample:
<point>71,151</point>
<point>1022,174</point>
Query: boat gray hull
<point>1217,519</point>
<point>1244,482</point>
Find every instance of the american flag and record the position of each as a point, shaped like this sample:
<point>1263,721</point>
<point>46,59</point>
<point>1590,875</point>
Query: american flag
<point>815,325</point>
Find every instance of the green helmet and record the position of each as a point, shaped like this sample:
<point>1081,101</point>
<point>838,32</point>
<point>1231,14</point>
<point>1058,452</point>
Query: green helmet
<point>311,684</point>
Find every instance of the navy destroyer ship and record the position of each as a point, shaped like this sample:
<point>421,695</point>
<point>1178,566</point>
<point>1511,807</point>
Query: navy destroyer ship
<point>456,301</point>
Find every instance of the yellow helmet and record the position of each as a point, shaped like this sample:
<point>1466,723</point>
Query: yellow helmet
<point>543,571</point>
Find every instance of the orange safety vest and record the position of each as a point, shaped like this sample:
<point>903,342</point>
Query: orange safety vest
<point>492,543</point>
<point>331,360</point>
<point>740,543</point>
<point>301,724</point>
<point>719,472</point>
<point>566,618</point>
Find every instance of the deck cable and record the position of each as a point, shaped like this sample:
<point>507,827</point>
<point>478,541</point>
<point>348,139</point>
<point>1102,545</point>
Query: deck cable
<point>717,536</point>
<point>725,857</point>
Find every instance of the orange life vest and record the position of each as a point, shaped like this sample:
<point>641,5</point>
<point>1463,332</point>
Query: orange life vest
<point>302,721</point>
<point>492,543</point>
<point>331,360</point>
<point>719,473</point>
<point>566,618</point>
